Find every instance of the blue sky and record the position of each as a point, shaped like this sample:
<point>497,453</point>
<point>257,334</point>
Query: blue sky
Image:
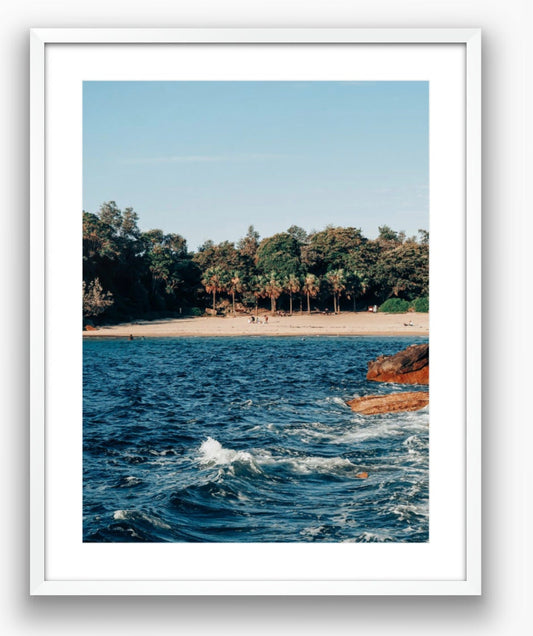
<point>208,159</point>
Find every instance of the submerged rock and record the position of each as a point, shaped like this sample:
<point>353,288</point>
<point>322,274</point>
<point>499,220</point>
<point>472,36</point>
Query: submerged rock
<point>393,403</point>
<point>410,366</point>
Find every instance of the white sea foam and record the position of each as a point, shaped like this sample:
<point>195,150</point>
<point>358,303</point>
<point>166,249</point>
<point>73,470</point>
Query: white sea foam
<point>212,452</point>
<point>361,430</point>
<point>415,445</point>
<point>137,515</point>
<point>131,481</point>
<point>404,512</point>
<point>312,532</point>
<point>369,537</point>
<point>305,465</point>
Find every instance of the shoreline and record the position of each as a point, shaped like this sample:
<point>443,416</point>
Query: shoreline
<point>381,334</point>
<point>346,324</point>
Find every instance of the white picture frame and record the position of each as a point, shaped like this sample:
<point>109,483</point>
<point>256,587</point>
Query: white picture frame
<point>53,70</point>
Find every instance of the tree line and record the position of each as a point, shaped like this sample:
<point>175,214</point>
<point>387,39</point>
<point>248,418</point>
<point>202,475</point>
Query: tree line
<point>129,274</point>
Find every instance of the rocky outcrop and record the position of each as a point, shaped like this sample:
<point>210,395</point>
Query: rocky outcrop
<point>410,366</point>
<point>393,403</point>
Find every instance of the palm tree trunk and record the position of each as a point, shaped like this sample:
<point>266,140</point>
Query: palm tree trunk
<point>214,300</point>
<point>233,296</point>
<point>290,303</point>
<point>273,304</point>
<point>334,303</point>
<point>339,302</point>
<point>301,304</point>
<point>308,304</point>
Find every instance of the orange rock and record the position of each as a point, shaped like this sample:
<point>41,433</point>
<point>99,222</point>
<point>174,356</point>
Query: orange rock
<point>362,475</point>
<point>90,328</point>
<point>414,377</point>
<point>410,366</point>
<point>393,403</point>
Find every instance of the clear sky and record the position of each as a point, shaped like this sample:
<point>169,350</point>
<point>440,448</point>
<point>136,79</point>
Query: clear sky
<point>208,159</point>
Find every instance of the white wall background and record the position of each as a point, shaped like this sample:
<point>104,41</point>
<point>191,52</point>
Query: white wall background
<point>508,528</point>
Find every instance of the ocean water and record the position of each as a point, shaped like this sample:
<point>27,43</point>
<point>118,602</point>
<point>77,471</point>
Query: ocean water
<point>248,440</point>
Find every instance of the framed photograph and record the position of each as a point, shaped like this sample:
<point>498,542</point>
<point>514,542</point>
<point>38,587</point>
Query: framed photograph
<point>243,242</point>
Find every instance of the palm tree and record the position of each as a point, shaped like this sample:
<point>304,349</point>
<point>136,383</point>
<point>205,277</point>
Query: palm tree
<point>214,282</point>
<point>337,279</point>
<point>258,290</point>
<point>356,285</point>
<point>311,288</point>
<point>235,285</point>
<point>273,288</point>
<point>292,285</point>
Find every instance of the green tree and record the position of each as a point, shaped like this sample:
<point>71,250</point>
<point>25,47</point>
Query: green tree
<point>258,286</point>
<point>223,255</point>
<point>247,251</point>
<point>235,285</point>
<point>333,248</point>
<point>298,233</point>
<point>248,245</point>
<point>95,300</point>
<point>403,271</point>
<point>356,286</point>
<point>113,253</point>
<point>98,239</point>
<point>279,253</point>
<point>337,281</point>
<point>423,237</point>
<point>111,215</point>
<point>214,282</point>
<point>388,235</point>
<point>174,276</point>
<point>310,287</point>
<point>292,285</point>
<point>273,288</point>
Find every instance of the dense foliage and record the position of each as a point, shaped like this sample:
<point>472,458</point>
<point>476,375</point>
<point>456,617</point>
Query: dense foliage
<point>395,306</point>
<point>129,274</point>
<point>421,305</point>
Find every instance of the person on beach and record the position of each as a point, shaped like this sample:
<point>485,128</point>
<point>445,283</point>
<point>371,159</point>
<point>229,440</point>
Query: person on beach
<point>266,320</point>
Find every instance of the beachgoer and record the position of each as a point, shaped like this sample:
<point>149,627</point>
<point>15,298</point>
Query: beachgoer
<point>131,337</point>
<point>266,320</point>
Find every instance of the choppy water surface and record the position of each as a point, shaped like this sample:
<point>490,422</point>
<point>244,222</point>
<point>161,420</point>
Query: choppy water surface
<point>247,439</point>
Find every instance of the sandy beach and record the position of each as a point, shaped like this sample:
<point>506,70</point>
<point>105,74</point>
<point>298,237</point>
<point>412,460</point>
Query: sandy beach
<point>344,324</point>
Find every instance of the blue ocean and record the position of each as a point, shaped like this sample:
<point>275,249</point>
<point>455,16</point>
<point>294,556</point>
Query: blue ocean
<point>248,439</point>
